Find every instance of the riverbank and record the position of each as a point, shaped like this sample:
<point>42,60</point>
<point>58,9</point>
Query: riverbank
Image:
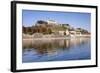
<point>50,37</point>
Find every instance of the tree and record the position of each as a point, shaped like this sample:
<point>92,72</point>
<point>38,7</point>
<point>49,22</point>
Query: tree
<point>49,31</point>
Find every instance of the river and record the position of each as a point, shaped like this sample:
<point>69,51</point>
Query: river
<point>56,50</point>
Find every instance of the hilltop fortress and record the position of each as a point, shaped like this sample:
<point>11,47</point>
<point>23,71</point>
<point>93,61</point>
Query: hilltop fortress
<point>51,28</point>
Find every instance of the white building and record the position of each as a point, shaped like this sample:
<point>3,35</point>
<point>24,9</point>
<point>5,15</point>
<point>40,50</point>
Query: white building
<point>51,22</point>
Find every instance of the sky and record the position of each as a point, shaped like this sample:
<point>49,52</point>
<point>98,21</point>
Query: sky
<point>75,19</point>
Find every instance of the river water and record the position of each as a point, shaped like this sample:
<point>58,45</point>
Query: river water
<point>56,50</point>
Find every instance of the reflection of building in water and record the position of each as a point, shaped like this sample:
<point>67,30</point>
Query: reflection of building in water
<point>78,41</point>
<point>67,42</point>
<point>52,46</point>
<point>47,46</point>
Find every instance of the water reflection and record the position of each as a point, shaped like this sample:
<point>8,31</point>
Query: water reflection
<point>56,49</point>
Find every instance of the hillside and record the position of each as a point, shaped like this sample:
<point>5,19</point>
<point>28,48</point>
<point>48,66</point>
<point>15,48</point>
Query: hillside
<point>52,27</point>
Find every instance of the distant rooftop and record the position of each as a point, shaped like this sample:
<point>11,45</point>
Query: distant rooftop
<point>51,22</point>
